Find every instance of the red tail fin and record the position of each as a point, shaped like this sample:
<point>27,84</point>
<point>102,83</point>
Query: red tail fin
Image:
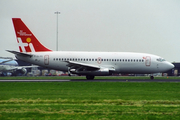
<point>25,38</point>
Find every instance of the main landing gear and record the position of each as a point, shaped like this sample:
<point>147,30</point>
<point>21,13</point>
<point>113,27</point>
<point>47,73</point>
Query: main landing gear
<point>151,77</point>
<point>89,77</point>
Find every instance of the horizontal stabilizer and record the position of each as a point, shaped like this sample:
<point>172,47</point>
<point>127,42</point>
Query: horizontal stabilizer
<point>19,53</point>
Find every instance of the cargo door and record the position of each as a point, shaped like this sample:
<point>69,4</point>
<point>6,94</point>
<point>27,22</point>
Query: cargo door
<point>46,59</point>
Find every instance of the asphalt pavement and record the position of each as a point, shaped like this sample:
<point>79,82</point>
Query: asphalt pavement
<point>97,80</point>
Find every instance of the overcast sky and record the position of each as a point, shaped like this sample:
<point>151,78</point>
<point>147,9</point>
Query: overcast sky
<point>148,26</point>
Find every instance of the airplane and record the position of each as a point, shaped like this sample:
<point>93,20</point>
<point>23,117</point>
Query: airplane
<point>90,64</point>
<point>9,67</point>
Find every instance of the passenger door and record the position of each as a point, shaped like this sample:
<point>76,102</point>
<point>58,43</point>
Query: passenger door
<point>148,61</point>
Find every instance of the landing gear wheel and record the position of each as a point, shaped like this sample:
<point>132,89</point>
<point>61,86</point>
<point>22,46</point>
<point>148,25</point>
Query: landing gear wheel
<point>89,77</point>
<point>152,77</point>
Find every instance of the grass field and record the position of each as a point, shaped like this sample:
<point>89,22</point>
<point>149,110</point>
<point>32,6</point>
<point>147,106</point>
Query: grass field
<point>89,100</point>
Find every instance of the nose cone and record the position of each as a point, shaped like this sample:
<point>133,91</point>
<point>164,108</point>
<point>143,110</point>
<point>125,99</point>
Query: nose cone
<point>172,66</point>
<point>168,66</point>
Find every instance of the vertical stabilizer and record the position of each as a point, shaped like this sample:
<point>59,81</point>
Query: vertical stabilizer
<point>26,40</point>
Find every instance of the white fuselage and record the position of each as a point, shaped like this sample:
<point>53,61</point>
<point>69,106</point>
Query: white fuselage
<point>121,62</point>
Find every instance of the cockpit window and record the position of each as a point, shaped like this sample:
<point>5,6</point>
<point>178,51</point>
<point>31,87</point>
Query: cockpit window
<point>161,59</point>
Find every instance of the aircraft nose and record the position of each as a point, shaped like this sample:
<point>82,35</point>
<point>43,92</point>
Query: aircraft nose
<point>166,66</point>
<point>170,66</point>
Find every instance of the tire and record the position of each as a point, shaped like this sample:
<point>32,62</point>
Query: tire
<point>151,77</point>
<point>90,77</point>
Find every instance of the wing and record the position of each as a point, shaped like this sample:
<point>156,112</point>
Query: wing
<point>78,66</point>
<point>21,67</point>
<point>14,68</point>
<point>89,69</point>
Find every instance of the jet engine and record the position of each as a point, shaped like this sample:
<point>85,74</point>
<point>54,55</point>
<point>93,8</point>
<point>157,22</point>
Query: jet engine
<point>100,72</point>
<point>23,71</point>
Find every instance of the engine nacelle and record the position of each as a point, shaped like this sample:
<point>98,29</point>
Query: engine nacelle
<point>23,71</point>
<point>100,72</point>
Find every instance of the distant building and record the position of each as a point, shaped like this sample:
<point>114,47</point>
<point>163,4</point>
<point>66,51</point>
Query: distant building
<point>175,71</point>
